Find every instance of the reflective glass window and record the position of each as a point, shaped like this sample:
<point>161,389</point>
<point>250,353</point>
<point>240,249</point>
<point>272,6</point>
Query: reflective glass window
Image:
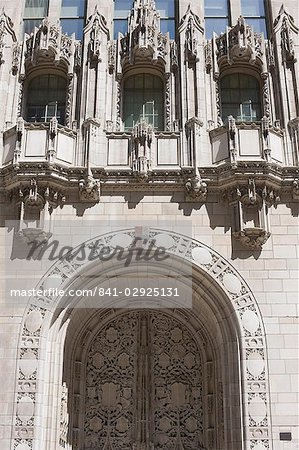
<point>72,17</point>
<point>143,101</point>
<point>216,17</point>
<point>240,97</point>
<point>46,98</point>
<point>34,12</point>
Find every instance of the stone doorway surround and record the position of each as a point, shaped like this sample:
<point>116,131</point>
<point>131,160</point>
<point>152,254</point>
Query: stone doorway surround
<point>236,353</point>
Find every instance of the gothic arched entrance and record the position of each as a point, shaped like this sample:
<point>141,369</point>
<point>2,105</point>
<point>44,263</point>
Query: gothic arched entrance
<point>227,331</point>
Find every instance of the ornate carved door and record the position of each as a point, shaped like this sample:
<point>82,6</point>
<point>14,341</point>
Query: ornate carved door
<point>143,385</point>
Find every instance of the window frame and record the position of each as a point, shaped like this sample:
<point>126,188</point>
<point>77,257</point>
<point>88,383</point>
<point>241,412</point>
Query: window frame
<point>248,73</point>
<point>123,90</point>
<point>25,105</point>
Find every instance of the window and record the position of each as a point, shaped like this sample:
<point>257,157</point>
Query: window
<point>216,17</point>
<point>143,101</point>
<point>46,98</point>
<point>167,15</point>
<point>240,97</point>
<point>34,12</point>
<point>254,14</point>
<point>122,9</point>
<point>72,17</point>
<point>220,13</point>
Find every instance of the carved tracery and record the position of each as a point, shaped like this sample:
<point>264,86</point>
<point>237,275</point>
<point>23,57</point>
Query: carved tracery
<point>144,385</point>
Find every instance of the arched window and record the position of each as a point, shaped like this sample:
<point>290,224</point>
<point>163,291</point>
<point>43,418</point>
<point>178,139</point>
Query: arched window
<point>143,100</point>
<point>240,97</point>
<point>46,98</point>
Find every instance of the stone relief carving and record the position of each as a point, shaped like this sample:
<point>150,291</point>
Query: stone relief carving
<point>196,188</point>
<point>144,385</point>
<point>142,137</point>
<point>48,41</point>
<point>6,27</point>
<point>285,23</point>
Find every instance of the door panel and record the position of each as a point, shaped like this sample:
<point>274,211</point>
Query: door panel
<point>144,385</point>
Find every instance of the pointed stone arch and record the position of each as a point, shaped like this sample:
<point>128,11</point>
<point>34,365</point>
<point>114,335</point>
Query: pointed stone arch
<point>217,278</point>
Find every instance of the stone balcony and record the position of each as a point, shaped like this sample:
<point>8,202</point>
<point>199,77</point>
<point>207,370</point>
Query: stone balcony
<point>247,142</point>
<point>39,142</point>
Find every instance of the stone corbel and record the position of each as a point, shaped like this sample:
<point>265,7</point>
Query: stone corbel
<point>89,189</point>
<point>34,200</point>
<point>251,216</point>
<point>295,189</point>
<point>196,188</point>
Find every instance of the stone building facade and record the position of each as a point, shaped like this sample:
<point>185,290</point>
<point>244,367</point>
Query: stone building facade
<point>186,139</point>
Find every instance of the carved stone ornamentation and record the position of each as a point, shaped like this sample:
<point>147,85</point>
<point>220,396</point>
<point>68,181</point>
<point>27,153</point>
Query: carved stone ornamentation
<point>36,204</point>
<point>95,29</point>
<point>48,42</point>
<point>89,189</point>
<point>240,43</point>
<point>251,205</point>
<point>64,416</point>
<point>286,24</point>
<point>144,385</point>
<point>6,28</point>
<point>142,137</point>
<point>196,188</point>
<point>144,39</point>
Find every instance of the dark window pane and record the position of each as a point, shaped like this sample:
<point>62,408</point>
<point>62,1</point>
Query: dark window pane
<point>72,8</point>
<point>122,8</point>
<point>120,26</point>
<point>240,96</point>
<point>36,8</point>
<point>215,25</point>
<point>46,98</point>
<point>168,25</point>
<point>216,8</point>
<point>258,25</point>
<point>143,100</point>
<point>165,8</point>
<point>252,8</point>
<point>70,26</point>
<point>29,25</point>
